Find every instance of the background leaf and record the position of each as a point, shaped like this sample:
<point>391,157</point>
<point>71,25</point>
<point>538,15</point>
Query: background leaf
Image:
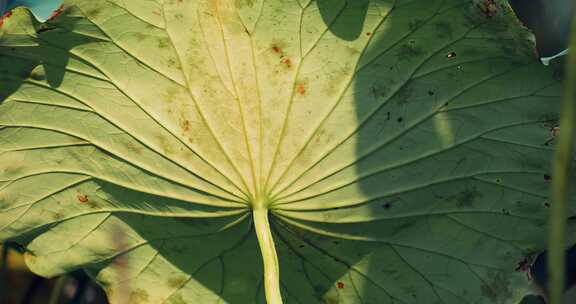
<point>42,9</point>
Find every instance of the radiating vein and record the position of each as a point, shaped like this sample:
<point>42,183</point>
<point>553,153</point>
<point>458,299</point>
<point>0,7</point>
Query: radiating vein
<point>239,103</point>
<point>149,146</point>
<point>398,165</point>
<point>341,261</point>
<point>133,163</point>
<point>382,241</point>
<point>392,139</point>
<point>23,213</point>
<point>339,99</point>
<point>267,187</point>
<point>246,189</point>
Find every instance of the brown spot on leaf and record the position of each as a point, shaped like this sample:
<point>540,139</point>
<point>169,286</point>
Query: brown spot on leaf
<point>489,8</point>
<point>340,285</point>
<point>301,89</point>
<point>276,49</point>
<point>83,198</point>
<point>185,124</point>
<point>286,62</point>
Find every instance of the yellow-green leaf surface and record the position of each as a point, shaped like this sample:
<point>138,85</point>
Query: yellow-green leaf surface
<point>244,151</point>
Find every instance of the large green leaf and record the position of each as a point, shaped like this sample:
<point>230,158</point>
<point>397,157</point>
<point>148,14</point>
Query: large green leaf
<point>393,151</point>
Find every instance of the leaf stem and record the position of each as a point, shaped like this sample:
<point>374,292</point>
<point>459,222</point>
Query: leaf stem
<point>562,162</point>
<point>57,290</point>
<point>4,271</point>
<point>269,256</point>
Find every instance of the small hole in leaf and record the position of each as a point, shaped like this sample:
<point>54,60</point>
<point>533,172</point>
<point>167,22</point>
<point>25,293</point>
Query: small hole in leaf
<point>386,206</point>
<point>547,177</point>
<point>400,119</point>
<point>451,55</point>
<point>431,93</point>
<point>523,265</point>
